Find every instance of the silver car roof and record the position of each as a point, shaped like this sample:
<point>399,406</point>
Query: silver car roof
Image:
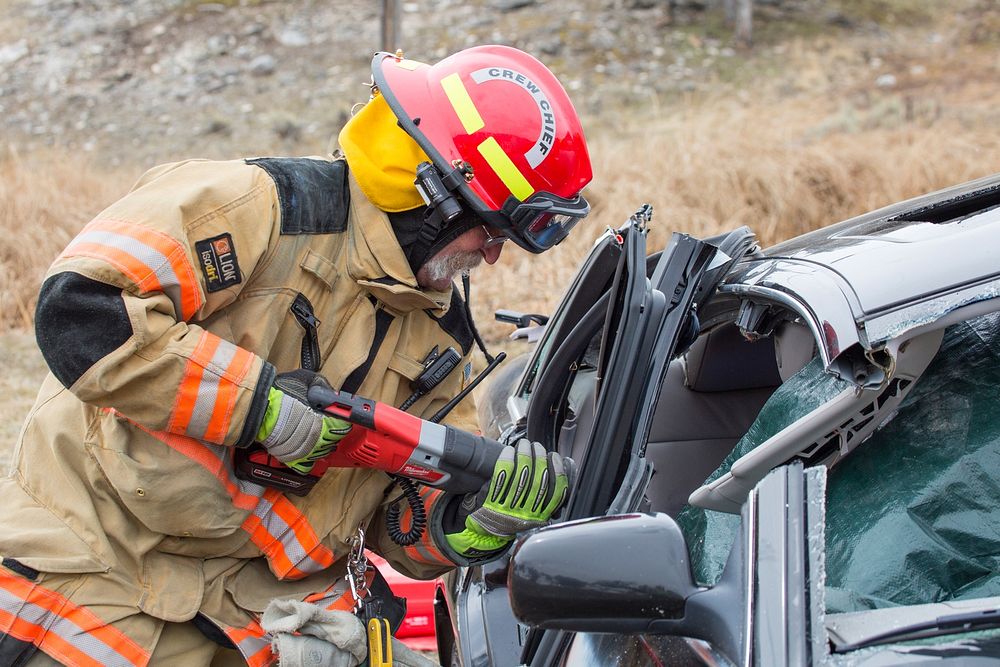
<point>876,276</point>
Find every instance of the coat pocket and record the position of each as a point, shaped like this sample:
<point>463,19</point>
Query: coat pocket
<point>33,536</point>
<point>174,497</point>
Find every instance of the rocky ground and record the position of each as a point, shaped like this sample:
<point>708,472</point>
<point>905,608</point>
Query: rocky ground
<point>142,81</point>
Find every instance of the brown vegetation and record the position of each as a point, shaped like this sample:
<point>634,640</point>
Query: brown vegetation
<point>44,201</point>
<point>782,169</point>
<point>782,153</point>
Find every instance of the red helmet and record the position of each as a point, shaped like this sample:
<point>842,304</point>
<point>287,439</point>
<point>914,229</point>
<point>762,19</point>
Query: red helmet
<point>502,134</point>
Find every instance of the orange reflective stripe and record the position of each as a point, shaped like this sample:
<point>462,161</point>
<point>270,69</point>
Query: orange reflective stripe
<point>138,273</point>
<point>152,260</point>
<point>304,534</point>
<point>227,392</point>
<point>333,600</point>
<point>253,644</point>
<point>424,551</point>
<point>207,393</point>
<point>52,644</point>
<point>273,550</point>
<point>283,534</point>
<point>187,391</point>
<point>62,629</point>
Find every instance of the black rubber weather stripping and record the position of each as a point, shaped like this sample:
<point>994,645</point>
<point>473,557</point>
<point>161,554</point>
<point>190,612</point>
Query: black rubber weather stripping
<point>553,379</point>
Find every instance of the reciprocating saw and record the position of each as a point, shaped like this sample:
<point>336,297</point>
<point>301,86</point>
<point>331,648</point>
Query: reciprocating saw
<point>385,438</point>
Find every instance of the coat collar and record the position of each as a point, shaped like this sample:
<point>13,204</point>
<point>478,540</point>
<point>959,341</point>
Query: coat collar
<point>377,263</point>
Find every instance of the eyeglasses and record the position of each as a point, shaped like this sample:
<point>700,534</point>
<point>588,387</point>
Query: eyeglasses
<point>493,239</point>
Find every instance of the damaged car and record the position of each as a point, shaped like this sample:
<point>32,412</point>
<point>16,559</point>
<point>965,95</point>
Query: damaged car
<point>784,456</point>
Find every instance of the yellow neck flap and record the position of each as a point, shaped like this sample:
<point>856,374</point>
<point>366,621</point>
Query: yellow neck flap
<point>382,157</point>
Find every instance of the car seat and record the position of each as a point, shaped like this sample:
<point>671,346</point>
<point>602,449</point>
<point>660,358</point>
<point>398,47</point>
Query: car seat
<point>709,399</point>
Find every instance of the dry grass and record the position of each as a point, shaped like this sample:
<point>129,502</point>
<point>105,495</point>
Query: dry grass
<point>815,142</point>
<point>782,169</point>
<point>44,200</point>
<point>24,370</point>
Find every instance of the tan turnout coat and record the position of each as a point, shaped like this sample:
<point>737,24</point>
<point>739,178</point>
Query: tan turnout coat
<point>168,316</point>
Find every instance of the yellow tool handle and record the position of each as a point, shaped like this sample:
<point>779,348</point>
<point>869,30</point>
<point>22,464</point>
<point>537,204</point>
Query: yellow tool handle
<point>379,643</point>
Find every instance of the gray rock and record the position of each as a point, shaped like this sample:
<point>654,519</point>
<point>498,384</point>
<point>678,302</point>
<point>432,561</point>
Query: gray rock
<point>603,39</point>
<point>292,38</point>
<point>886,81</point>
<point>550,47</point>
<point>11,53</point>
<point>263,65</point>
<point>511,5</point>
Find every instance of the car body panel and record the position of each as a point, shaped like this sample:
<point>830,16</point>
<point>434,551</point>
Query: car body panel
<point>875,276</point>
<point>863,287</point>
<point>417,630</point>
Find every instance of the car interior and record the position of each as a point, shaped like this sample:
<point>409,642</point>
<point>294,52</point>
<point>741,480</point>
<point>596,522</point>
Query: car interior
<point>709,398</point>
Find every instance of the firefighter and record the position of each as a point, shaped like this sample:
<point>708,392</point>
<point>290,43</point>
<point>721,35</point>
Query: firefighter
<point>169,321</point>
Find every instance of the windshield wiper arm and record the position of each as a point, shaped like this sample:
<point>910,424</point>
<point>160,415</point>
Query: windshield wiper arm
<point>951,624</point>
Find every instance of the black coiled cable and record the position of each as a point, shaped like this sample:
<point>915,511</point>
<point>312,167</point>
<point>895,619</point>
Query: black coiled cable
<point>416,531</point>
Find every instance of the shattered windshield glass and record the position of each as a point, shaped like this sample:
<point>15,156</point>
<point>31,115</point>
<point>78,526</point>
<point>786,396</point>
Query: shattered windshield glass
<point>913,515</point>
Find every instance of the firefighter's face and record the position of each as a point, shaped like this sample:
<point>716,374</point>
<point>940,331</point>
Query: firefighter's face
<point>463,254</point>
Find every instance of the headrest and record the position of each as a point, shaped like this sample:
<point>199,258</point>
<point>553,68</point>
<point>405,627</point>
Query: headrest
<point>794,347</point>
<point>723,360</point>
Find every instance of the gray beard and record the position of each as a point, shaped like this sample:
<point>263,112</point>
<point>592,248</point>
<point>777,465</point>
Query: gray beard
<point>440,268</point>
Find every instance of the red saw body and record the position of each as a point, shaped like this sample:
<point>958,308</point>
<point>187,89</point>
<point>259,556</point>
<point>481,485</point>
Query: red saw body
<point>385,438</point>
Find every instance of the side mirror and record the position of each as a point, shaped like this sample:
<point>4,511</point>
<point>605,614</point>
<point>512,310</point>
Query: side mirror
<point>609,574</point>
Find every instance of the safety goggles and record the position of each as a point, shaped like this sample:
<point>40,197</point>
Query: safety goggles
<point>539,222</point>
<point>536,224</point>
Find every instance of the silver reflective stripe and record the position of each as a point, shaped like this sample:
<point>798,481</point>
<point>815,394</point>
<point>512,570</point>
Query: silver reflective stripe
<point>426,554</point>
<point>251,646</point>
<point>225,456</point>
<point>276,526</point>
<point>264,510</point>
<point>67,630</point>
<point>248,487</point>
<point>151,257</point>
<point>208,389</point>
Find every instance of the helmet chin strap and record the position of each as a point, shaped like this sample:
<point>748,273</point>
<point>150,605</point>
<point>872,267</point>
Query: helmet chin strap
<point>445,218</point>
<point>421,235</point>
<point>472,323</point>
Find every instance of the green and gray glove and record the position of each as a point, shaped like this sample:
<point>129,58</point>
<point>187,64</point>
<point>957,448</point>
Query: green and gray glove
<point>292,431</point>
<point>528,487</point>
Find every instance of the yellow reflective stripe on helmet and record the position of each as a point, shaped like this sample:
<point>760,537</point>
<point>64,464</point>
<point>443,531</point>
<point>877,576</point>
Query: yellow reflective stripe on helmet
<point>408,64</point>
<point>462,103</point>
<point>505,169</point>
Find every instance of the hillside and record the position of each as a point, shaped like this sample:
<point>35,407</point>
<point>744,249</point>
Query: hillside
<point>839,106</point>
<point>140,82</point>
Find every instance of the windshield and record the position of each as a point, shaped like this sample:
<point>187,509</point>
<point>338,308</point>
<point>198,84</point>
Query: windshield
<point>912,518</point>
